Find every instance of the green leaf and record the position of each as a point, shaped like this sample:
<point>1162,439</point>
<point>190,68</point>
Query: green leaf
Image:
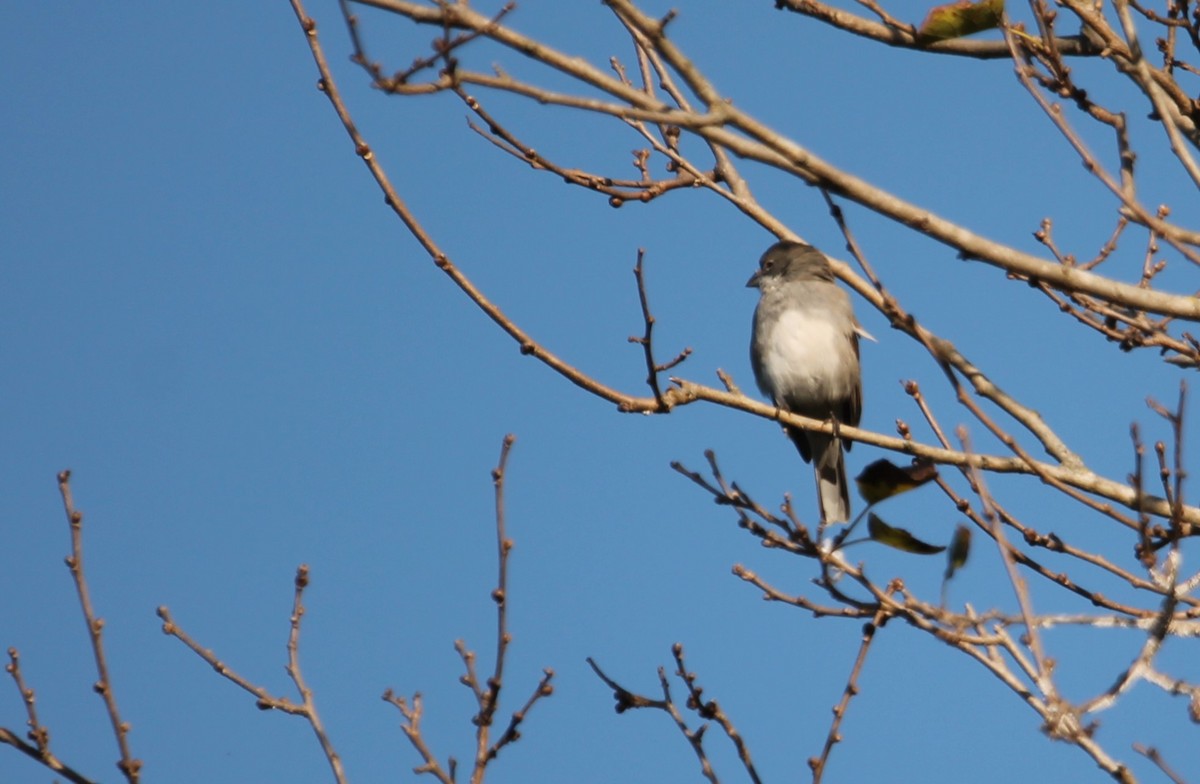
<point>898,538</point>
<point>955,20</point>
<point>884,479</point>
<point>960,548</point>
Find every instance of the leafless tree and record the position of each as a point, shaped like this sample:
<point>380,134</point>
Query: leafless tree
<point>701,138</point>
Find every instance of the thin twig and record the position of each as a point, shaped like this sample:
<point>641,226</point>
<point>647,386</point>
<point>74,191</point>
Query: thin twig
<point>487,695</point>
<point>127,764</point>
<point>1142,662</point>
<point>646,341</point>
<point>1032,637</point>
<point>1155,756</point>
<point>50,761</point>
<point>491,695</point>
<point>37,732</point>
<point>817,764</point>
<point>412,710</point>
<point>710,710</point>
<point>306,695</point>
<point>264,700</point>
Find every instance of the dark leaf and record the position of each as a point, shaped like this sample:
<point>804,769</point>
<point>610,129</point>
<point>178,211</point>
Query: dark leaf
<point>960,548</point>
<point>884,479</point>
<point>898,538</point>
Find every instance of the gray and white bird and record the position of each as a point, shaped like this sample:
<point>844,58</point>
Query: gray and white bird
<point>804,351</point>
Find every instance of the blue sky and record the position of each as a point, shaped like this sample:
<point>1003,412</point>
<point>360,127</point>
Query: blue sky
<point>213,320</point>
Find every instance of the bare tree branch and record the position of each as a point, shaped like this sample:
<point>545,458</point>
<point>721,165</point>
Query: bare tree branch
<point>39,733</point>
<point>127,764</point>
<point>487,695</point>
<point>307,707</point>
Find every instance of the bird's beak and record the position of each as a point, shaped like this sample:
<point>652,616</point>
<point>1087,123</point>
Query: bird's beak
<point>753,282</point>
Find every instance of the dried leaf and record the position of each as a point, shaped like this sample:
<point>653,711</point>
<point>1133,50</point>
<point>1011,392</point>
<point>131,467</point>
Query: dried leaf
<point>898,538</point>
<point>955,20</point>
<point>884,479</point>
<point>960,548</point>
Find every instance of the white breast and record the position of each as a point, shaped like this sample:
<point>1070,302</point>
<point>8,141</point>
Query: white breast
<point>807,359</point>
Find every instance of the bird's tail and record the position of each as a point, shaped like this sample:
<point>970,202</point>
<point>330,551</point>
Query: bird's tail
<point>829,465</point>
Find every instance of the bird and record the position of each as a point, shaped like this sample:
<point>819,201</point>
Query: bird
<point>804,353</point>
